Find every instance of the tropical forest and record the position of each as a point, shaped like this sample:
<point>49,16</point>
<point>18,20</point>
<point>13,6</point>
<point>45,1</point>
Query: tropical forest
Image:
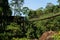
<point>19,22</point>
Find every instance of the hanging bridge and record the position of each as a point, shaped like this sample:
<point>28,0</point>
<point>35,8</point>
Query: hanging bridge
<point>44,17</point>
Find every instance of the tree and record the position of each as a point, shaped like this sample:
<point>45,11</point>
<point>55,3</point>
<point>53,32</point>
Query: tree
<point>56,9</point>
<point>25,10</point>
<point>32,14</point>
<point>4,7</point>
<point>49,7</point>
<point>59,2</point>
<point>17,4</point>
<point>39,12</point>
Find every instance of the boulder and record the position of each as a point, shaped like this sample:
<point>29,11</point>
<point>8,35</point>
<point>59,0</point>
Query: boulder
<point>47,35</point>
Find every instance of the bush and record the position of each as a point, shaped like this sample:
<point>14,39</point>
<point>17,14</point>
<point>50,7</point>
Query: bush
<point>56,36</point>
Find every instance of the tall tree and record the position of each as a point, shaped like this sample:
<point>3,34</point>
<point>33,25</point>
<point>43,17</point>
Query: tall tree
<point>5,8</point>
<point>17,4</point>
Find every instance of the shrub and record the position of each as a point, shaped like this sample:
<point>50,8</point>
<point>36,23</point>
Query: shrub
<point>56,36</point>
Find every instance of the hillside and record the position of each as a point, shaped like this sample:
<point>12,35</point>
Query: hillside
<point>45,16</point>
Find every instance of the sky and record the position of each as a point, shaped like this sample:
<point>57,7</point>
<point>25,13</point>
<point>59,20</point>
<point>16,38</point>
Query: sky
<point>35,4</point>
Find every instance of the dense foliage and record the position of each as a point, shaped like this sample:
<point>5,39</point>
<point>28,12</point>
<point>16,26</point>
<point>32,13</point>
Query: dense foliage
<point>16,28</point>
<point>56,36</point>
<point>4,8</point>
